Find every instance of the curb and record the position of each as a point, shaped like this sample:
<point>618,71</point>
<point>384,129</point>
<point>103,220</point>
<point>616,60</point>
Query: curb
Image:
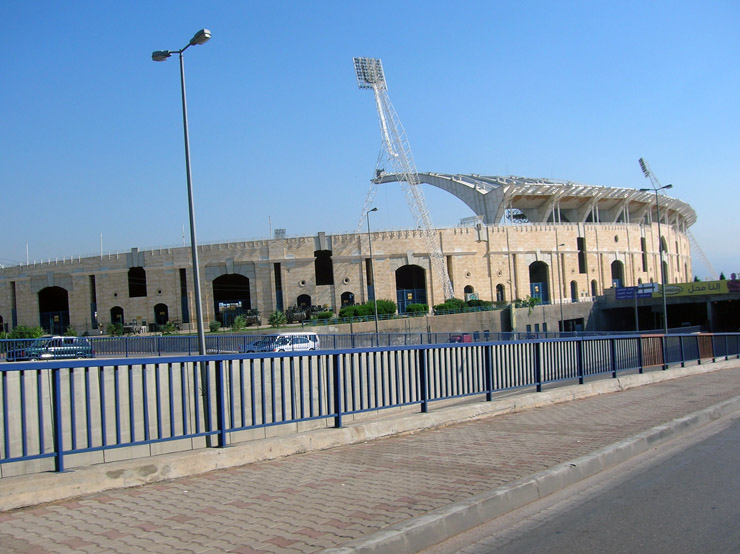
<point>34,489</point>
<point>444,523</point>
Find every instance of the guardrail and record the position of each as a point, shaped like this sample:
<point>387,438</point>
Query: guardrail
<point>167,345</point>
<point>56,411</point>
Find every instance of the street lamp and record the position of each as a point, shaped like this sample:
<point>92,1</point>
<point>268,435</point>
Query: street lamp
<point>660,250</point>
<point>201,37</point>
<point>560,285</point>
<point>372,274</point>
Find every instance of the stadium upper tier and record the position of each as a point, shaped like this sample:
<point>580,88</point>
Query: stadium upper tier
<point>549,201</point>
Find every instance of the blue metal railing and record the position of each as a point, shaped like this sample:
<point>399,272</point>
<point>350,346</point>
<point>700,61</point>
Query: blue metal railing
<point>57,409</point>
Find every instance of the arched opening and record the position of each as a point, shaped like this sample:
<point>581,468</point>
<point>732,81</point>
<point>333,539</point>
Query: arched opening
<point>538,281</point>
<point>136,282</point>
<point>2,325</point>
<point>116,315</point>
<point>348,298</point>
<point>161,314</point>
<point>468,289</point>
<point>594,288</point>
<point>500,293</point>
<point>303,301</point>
<point>230,297</point>
<point>617,273</point>
<point>54,310</point>
<point>410,286</point>
<point>573,291</point>
<point>664,277</point>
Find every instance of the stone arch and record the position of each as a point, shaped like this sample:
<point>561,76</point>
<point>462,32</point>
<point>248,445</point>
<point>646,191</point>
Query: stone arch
<point>347,298</point>
<point>573,291</point>
<point>116,315</point>
<point>469,289</point>
<point>231,297</point>
<point>54,310</point>
<point>410,286</point>
<point>538,281</point>
<point>303,301</point>
<point>161,314</point>
<point>594,288</point>
<point>500,293</point>
<point>617,273</point>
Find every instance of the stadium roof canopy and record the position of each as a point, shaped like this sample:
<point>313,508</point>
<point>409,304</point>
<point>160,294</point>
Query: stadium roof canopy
<point>550,201</point>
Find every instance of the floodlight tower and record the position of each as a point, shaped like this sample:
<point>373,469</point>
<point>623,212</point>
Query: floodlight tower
<point>398,155</point>
<point>657,187</point>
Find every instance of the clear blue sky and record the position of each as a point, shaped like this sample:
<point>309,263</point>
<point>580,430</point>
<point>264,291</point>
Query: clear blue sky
<point>92,142</point>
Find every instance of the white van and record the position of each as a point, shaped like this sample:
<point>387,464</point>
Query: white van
<point>286,342</point>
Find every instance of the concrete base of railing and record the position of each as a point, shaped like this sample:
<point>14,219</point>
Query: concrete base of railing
<point>28,490</point>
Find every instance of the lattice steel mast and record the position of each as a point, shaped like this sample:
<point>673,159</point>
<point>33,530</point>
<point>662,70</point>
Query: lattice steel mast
<point>397,153</point>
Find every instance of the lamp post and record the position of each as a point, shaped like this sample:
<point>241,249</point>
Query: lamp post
<point>560,285</point>
<point>372,274</point>
<point>201,37</point>
<point>660,250</point>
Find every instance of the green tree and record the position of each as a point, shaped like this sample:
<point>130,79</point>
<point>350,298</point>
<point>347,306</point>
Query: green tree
<point>277,319</point>
<point>214,326</point>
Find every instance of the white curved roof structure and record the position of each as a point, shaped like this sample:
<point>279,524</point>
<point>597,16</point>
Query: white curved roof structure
<point>546,200</point>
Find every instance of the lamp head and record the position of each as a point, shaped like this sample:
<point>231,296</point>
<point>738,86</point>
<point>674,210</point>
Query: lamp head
<point>160,55</point>
<point>645,190</point>
<point>373,210</point>
<point>201,37</point>
<point>668,187</point>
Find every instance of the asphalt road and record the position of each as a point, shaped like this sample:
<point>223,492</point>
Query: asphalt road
<point>683,497</point>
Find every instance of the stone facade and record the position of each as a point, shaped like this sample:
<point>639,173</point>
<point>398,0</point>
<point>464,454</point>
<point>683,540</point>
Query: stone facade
<point>578,261</point>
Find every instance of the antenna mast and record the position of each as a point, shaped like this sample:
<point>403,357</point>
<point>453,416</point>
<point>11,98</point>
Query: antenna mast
<point>397,153</point>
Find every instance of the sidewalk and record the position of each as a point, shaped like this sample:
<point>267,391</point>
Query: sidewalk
<point>396,494</point>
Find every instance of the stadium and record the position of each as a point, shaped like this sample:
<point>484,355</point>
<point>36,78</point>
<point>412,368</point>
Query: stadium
<point>558,241</point>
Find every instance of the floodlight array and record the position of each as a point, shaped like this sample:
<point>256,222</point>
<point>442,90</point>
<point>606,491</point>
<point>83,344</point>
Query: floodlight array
<point>369,73</point>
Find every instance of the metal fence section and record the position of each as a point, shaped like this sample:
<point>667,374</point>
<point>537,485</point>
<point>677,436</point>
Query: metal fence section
<point>55,411</point>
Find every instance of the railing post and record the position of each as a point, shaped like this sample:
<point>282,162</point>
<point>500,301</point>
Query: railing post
<point>220,404</point>
<point>683,354</point>
<point>727,349</point>
<point>337,372</point>
<point>125,345</point>
<point>423,381</point>
<point>538,364</point>
<point>640,361</point>
<point>56,393</point>
<point>579,353</point>
<point>613,356</point>
<point>663,340</point>
<point>489,372</point>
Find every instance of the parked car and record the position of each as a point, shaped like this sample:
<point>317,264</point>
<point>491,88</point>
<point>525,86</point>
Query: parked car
<point>46,348</point>
<point>461,337</point>
<point>285,342</point>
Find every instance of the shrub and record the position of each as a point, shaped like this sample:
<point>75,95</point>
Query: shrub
<point>417,308</point>
<point>23,332</point>
<point>70,332</point>
<point>214,326</point>
<point>479,303</point>
<point>277,319</point>
<point>168,328</point>
<point>451,305</point>
<point>324,315</point>
<point>114,329</point>
<point>384,307</point>
<point>239,323</point>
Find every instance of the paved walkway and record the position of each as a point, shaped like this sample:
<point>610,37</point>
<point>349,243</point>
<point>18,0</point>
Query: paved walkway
<point>319,500</point>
